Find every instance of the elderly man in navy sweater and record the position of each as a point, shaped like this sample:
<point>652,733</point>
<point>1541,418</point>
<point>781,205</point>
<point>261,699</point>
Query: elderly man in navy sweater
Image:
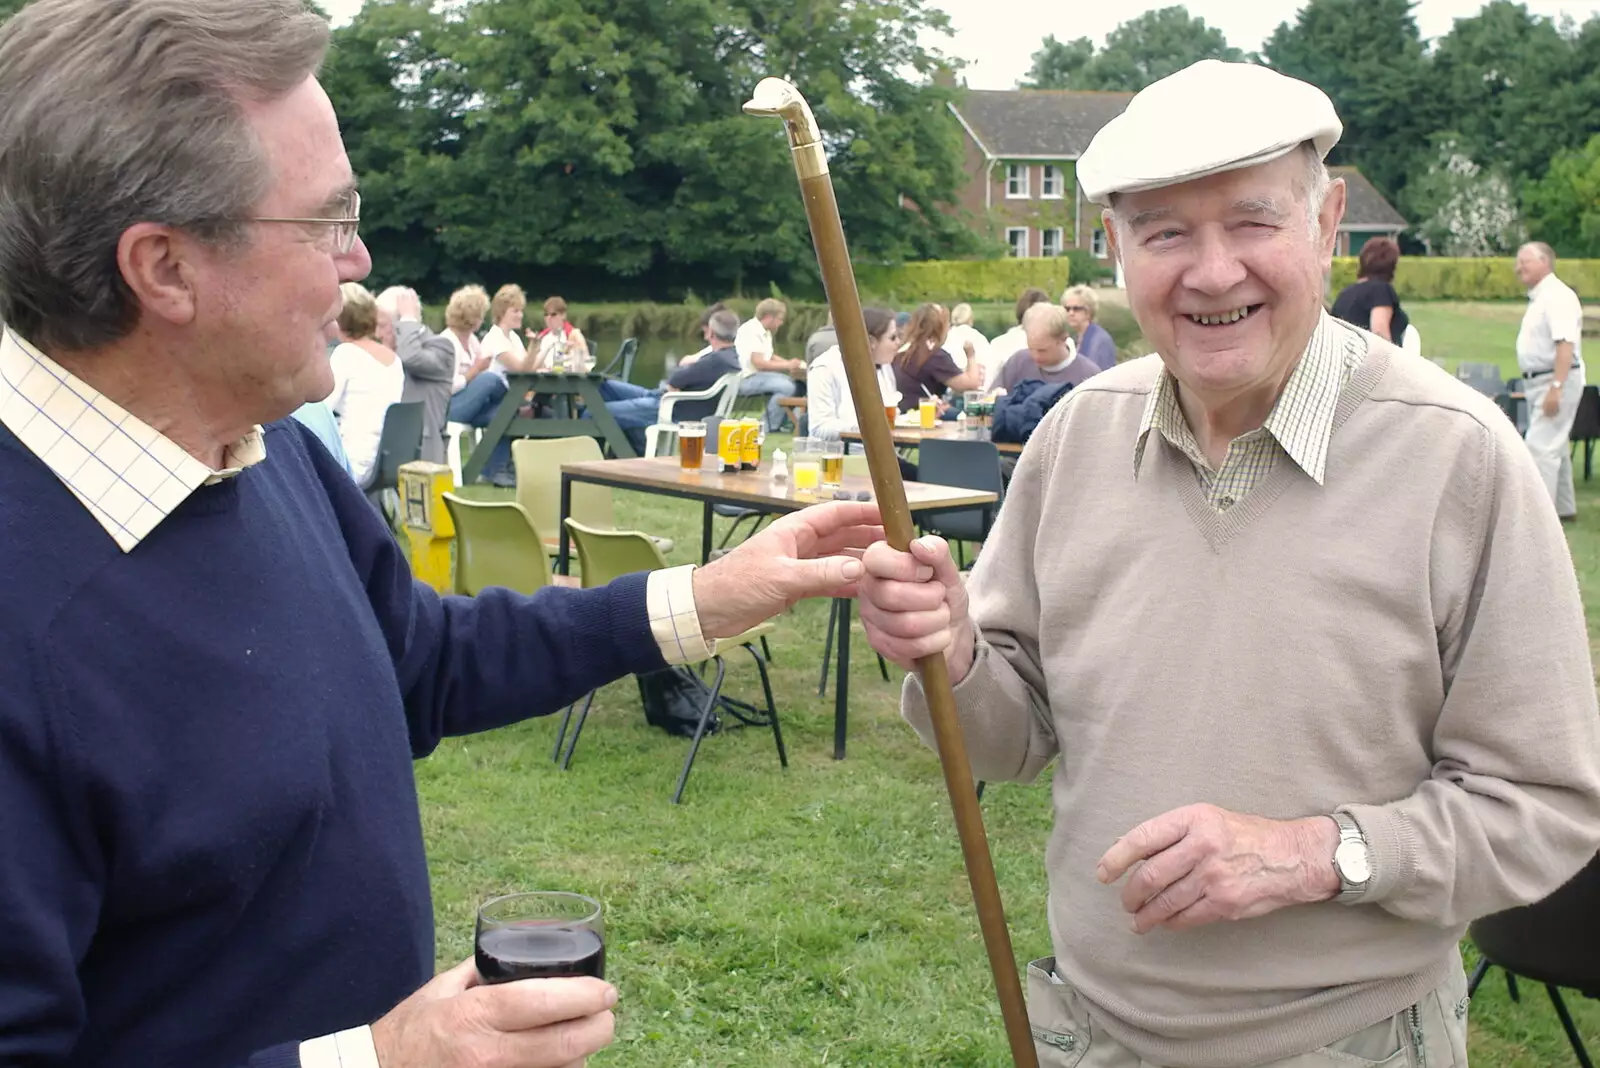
<point>217,667</point>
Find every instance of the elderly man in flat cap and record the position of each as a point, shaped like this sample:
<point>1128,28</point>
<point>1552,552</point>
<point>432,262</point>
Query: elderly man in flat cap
<point>1293,613</point>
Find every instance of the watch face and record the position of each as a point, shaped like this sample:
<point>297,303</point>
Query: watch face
<point>1351,860</point>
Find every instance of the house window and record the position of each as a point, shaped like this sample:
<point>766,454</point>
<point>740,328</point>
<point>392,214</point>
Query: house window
<point>1050,242</point>
<point>1017,180</point>
<point>1017,239</point>
<point>1050,182</point>
<point>1097,243</point>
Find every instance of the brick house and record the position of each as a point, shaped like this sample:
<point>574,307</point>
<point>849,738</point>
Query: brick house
<point>1366,213</point>
<point>1020,153</point>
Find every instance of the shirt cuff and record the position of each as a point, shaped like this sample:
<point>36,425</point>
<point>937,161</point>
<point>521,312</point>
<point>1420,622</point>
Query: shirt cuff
<point>346,1049</point>
<point>674,622</point>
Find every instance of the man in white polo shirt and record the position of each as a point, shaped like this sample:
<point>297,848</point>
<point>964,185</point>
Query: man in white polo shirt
<point>1549,351</point>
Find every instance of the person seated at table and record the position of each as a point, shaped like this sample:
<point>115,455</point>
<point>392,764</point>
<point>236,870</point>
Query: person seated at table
<point>923,367</point>
<point>429,360</point>
<point>560,337</point>
<point>821,340</point>
<point>830,409</point>
<point>367,378</point>
<point>477,389</point>
<point>705,334</point>
<point>965,343</point>
<point>503,343</point>
<point>1050,356</point>
<point>766,373</point>
<point>637,409</point>
<point>1013,340</point>
<point>1094,343</point>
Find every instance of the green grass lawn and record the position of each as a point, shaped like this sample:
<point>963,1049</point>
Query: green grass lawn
<point>819,915</point>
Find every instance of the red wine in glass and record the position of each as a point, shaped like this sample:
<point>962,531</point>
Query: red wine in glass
<point>541,935</point>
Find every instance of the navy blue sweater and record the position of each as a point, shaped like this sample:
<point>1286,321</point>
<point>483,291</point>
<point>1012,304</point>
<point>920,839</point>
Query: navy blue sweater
<point>209,840</point>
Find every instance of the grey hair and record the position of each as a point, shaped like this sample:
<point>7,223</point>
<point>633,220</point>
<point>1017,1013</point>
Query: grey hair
<point>1312,185</point>
<point>724,325</point>
<point>119,112</point>
<point>1543,251</point>
<point>389,300</point>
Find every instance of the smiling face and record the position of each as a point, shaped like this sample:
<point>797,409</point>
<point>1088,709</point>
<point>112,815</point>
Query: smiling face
<point>1225,273</point>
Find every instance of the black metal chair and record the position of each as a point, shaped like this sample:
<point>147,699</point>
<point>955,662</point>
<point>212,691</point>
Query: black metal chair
<point>1483,377</point>
<point>621,365</point>
<point>1555,942</point>
<point>1586,427</point>
<point>399,443</point>
<point>970,465</point>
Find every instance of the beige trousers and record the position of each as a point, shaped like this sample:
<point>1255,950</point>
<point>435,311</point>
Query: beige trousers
<point>1548,436</point>
<point>1066,1036</point>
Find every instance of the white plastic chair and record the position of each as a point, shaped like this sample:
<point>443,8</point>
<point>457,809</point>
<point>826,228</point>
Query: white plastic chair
<point>660,435</point>
<point>1411,340</point>
<point>452,446</point>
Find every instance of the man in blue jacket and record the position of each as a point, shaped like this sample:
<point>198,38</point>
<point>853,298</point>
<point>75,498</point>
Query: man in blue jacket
<point>218,668</point>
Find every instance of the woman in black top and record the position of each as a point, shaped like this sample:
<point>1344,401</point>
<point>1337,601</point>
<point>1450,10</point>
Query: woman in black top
<point>1371,303</point>
<point>923,362</point>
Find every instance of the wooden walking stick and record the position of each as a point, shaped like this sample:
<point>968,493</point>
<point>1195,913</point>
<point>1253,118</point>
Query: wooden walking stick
<point>774,96</point>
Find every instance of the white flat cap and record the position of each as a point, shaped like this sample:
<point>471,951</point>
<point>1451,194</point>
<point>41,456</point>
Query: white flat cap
<point>1207,118</point>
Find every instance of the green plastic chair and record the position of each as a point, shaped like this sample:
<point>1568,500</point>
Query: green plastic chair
<point>537,462</point>
<point>609,554</point>
<point>496,545</point>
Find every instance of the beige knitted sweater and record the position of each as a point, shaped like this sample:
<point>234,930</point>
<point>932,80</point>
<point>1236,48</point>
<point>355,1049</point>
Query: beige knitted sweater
<point>1404,642</point>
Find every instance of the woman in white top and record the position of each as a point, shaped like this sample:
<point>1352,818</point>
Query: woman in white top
<point>503,343</point>
<point>829,408</point>
<point>367,378</point>
<point>964,341</point>
<point>477,390</point>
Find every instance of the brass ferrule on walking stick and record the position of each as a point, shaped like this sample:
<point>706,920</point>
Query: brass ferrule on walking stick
<point>774,96</point>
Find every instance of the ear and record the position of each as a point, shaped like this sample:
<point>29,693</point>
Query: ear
<point>156,263</point>
<point>1108,224</point>
<point>1328,220</point>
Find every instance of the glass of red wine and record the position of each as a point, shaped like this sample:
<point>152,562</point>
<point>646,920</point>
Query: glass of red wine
<point>540,935</point>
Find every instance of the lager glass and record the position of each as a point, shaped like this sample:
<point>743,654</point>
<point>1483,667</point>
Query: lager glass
<point>691,445</point>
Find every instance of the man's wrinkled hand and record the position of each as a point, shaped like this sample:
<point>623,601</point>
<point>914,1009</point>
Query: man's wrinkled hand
<point>1200,864</point>
<point>914,604</point>
<point>1551,403</point>
<point>814,552</point>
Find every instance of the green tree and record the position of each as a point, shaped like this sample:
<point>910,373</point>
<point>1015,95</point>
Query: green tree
<point>1520,88</point>
<point>1058,64</point>
<point>1140,51</point>
<point>1465,209</point>
<point>609,151</point>
<point>9,8</point>
<point>1563,207</point>
<point>1368,57</point>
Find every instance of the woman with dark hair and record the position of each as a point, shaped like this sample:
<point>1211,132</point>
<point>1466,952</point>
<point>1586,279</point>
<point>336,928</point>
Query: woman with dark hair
<point>830,409</point>
<point>1371,302</point>
<point>924,364</point>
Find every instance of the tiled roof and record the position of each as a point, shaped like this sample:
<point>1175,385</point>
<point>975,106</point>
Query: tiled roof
<point>1365,208</point>
<point>1052,123</point>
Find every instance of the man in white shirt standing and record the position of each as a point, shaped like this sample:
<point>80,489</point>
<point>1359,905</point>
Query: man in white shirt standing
<point>1549,353</point>
<point>765,372</point>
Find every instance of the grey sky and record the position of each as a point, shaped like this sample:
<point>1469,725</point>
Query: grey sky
<point>997,37</point>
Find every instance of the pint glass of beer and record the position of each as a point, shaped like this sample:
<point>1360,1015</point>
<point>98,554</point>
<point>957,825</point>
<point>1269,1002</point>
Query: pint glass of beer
<point>832,462</point>
<point>891,405</point>
<point>691,445</point>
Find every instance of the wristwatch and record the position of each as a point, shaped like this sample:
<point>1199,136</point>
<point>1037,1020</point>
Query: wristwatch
<point>1352,861</point>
